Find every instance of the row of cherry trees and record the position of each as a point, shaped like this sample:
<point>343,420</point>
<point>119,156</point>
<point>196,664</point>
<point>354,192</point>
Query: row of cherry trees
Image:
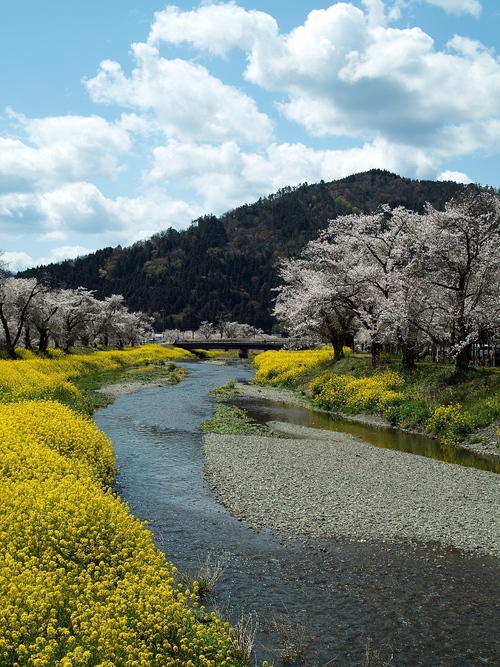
<point>31,315</point>
<point>226,329</point>
<point>401,278</point>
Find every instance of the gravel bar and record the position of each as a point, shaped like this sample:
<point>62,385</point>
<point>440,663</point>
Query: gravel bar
<point>333,485</point>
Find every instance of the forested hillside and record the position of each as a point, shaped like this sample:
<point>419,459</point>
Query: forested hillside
<point>225,267</point>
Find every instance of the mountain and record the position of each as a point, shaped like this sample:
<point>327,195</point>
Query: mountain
<point>225,267</point>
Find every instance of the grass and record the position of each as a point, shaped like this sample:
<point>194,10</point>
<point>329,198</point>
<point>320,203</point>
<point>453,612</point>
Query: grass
<point>375,657</point>
<point>160,374</point>
<point>230,420</point>
<point>472,396</point>
<point>432,398</point>
<point>246,631</point>
<point>295,637</point>
<point>225,392</point>
<point>207,575</point>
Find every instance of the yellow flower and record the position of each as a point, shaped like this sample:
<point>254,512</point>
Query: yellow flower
<point>81,580</point>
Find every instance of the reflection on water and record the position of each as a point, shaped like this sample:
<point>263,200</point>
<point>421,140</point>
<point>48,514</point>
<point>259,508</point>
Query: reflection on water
<point>263,411</point>
<point>425,605</point>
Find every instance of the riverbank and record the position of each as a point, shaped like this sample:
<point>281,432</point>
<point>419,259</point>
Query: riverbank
<point>333,485</point>
<point>483,442</point>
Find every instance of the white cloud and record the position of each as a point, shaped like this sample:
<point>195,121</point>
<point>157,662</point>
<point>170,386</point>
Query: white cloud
<point>187,102</point>
<point>225,176</point>
<point>73,207</point>
<point>398,102</point>
<point>346,73</point>
<point>78,208</point>
<point>61,148</point>
<point>457,176</point>
<point>215,27</point>
<point>61,253</point>
<point>376,11</point>
<point>142,216</point>
<point>458,6</point>
<point>16,261</point>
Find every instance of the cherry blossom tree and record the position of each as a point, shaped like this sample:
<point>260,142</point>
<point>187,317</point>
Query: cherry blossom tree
<point>404,279</point>
<point>17,296</point>
<point>459,259</point>
<point>44,307</point>
<point>66,316</point>
<point>310,303</point>
<point>107,314</point>
<point>4,267</point>
<point>206,330</point>
<point>75,316</point>
<point>350,278</point>
<point>131,328</point>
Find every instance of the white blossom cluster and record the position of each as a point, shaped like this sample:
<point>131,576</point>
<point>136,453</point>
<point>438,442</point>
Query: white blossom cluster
<point>32,314</point>
<point>400,278</point>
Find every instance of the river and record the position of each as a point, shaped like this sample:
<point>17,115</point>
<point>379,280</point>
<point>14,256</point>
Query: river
<point>316,601</point>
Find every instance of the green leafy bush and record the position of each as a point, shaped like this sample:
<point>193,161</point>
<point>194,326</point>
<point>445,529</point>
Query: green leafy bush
<point>450,422</point>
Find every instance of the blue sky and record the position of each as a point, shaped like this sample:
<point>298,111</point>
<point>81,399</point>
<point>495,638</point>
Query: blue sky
<point>122,118</point>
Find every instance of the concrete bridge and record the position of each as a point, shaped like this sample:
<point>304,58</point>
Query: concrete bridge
<point>243,345</point>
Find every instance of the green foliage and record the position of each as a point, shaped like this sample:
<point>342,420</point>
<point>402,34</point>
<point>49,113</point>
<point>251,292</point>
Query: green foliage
<point>230,420</point>
<point>409,413</point>
<point>225,392</point>
<point>432,397</point>
<point>450,422</point>
<point>91,400</point>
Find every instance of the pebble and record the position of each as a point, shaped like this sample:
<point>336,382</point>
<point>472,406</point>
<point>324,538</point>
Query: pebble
<point>334,485</point>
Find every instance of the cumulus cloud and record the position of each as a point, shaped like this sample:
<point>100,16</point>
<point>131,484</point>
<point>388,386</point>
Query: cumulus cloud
<point>457,176</point>
<point>346,72</point>
<point>80,210</point>
<point>215,27</point>
<point>16,261</point>
<point>61,253</point>
<point>201,145</point>
<point>225,174</point>
<point>458,6</point>
<point>187,102</point>
<point>60,148</point>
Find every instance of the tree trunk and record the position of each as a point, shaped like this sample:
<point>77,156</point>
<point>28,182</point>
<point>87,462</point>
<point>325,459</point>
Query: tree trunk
<point>462,359</point>
<point>43,340</point>
<point>338,347</point>
<point>27,339</point>
<point>375,350</point>
<point>10,345</point>
<point>407,357</point>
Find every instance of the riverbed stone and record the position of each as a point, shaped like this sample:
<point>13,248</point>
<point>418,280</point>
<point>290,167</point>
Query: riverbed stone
<point>334,485</point>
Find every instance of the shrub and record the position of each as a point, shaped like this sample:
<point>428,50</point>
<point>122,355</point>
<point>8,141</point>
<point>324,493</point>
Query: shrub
<point>450,422</point>
<point>230,420</point>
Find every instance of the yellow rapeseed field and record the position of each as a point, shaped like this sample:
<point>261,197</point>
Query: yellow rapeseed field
<point>81,581</point>
<point>384,392</point>
<point>287,368</point>
<point>377,393</point>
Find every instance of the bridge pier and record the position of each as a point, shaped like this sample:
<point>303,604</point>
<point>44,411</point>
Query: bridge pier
<point>243,353</point>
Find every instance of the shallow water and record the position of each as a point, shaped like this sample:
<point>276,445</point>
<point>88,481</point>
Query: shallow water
<point>421,604</point>
<point>264,410</point>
